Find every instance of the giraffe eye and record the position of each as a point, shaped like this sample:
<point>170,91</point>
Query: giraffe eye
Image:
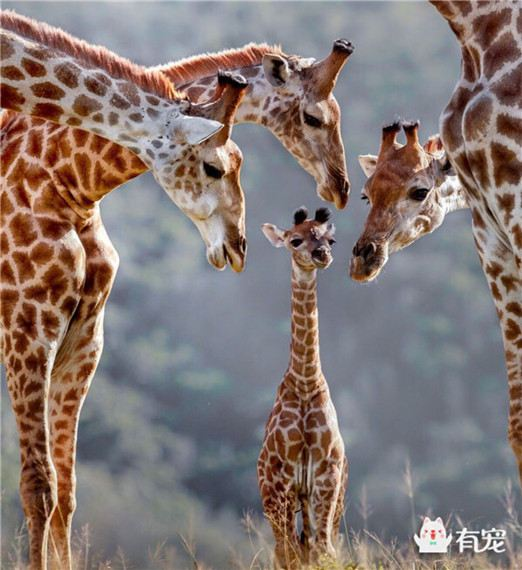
<point>331,241</point>
<point>296,242</point>
<point>212,171</point>
<point>365,198</point>
<point>312,121</point>
<point>419,194</point>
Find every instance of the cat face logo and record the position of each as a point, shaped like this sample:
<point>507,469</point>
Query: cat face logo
<point>433,537</point>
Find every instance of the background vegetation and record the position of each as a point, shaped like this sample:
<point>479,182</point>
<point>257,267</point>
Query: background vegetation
<point>172,427</point>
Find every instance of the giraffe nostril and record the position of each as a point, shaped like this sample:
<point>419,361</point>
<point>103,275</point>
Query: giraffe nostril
<point>365,251</point>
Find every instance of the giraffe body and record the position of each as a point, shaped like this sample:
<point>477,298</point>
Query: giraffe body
<point>302,465</point>
<point>481,129</point>
<point>481,138</point>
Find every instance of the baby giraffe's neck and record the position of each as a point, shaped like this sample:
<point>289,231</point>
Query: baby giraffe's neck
<point>304,374</point>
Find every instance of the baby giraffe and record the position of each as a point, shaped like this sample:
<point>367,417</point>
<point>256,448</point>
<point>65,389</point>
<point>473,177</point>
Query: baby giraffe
<point>302,465</point>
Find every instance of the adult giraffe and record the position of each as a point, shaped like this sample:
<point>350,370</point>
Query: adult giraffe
<point>57,263</point>
<point>481,131</point>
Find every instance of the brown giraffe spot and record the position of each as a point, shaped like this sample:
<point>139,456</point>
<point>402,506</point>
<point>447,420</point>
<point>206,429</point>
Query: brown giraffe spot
<point>40,52</point>
<point>82,163</point>
<point>11,98</point>
<point>7,275</point>
<point>9,153</point>
<point>507,167</point>
<point>41,253</point>
<point>495,291</point>
<point>94,85</point>
<point>34,143</point>
<point>514,308</point>
<point>36,293</point>
<point>12,72</point>
<point>48,111</point>
<point>22,230</point>
<point>52,229</point>
<point>99,143</point>
<point>6,208</point>
<point>517,233</point>
<point>84,105</point>
<point>477,117</point>
<point>24,266</point>
<point>129,91</point>
<point>74,122</point>
<point>136,117</point>
<point>152,113</point>
<point>67,73</point>
<point>493,269</point>
<point>26,320</point>
<point>505,49</point>
<point>33,68</point>
<point>113,118</point>
<point>8,298</point>
<point>510,283</point>
<point>80,137</point>
<point>507,89</point>
<point>119,102</point>
<point>512,330</point>
<point>486,28</point>
<point>506,203</point>
<point>54,280</point>
<point>478,164</point>
<point>6,48</point>
<point>152,100</point>
<point>98,118</point>
<point>50,324</point>
<point>509,126</point>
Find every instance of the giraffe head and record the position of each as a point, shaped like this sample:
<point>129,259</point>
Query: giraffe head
<point>308,118</point>
<point>309,241</point>
<point>207,184</point>
<point>410,189</point>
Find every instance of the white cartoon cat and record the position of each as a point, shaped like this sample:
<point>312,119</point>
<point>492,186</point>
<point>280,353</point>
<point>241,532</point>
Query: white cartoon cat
<point>433,537</point>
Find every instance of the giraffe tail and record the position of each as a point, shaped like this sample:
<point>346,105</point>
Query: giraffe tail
<point>304,497</point>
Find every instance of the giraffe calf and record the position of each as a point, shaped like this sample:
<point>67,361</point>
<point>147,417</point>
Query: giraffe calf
<point>302,465</point>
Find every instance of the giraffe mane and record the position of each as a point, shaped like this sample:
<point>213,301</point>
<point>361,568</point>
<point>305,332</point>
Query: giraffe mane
<point>92,55</point>
<point>208,64</point>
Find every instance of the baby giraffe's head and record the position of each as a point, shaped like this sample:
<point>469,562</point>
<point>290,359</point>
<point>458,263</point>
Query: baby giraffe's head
<point>308,240</point>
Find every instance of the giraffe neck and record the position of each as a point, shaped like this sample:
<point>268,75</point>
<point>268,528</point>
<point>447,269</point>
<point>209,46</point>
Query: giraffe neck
<point>44,82</point>
<point>304,370</point>
<point>478,23</point>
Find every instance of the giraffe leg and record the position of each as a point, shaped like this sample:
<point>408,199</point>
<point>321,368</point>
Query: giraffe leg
<point>339,509</point>
<point>327,483</point>
<point>73,372</point>
<point>502,267</point>
<point>34,322</point>
<point>279,501</point>
<point>28,384</point>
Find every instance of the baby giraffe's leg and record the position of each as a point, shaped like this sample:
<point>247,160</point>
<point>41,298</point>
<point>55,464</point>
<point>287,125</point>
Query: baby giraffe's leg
<point>279,499</point>
<point>340,501</point>
<point>327,482</point>
<point>74,370</point>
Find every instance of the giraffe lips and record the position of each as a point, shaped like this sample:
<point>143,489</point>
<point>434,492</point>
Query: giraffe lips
<point>221,256</point>
<point>364,272</point>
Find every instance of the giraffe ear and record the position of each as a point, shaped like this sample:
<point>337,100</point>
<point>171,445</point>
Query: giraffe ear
<point>368,163</point>
<point>195,130</point>
<point>276,69</point>
<point>274,235</point>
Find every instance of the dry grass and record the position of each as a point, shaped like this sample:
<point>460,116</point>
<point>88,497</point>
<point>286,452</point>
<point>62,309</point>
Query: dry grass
<point>362,550</point>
